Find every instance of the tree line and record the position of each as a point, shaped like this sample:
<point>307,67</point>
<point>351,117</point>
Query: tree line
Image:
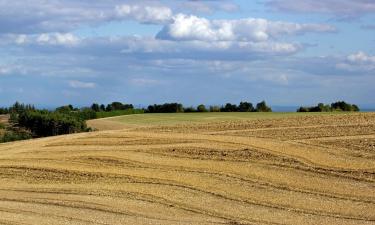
<point>336,106</point>
<point>27,121</point>
<point>228,107</point>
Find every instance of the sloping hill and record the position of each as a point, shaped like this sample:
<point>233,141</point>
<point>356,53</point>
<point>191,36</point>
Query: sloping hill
<point>292,170</point>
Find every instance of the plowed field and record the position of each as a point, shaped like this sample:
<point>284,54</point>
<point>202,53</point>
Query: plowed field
<point>305,169</point>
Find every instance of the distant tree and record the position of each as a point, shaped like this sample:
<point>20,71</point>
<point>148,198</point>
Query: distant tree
<point>355,108</point>
<point>20,107</point>
<point>336,106</point>
<point>102,107</point>
<point>109,108</point>
<point>262,107</point>
<point>189,109</point>
<point>95,107</point>
<point>229,108</point>
<point>65,109</point>
<point>343,106</point>
<point>117,105</point>
<point>303,109</point>
<point>202,108</point>
<point>165,108</point>
<point>245,107</point>
<point>214,108</point>
<point>4,111</point>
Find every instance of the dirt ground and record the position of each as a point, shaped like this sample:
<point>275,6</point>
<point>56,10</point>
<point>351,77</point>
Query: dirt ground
<point>292,170</point>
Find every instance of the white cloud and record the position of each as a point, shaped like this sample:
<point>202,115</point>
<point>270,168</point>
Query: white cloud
<point>66,39</point>
<point>145,14</point>
<point>359,61</point>
<point>190,27</point>
<point>208,50</point>
<point>80,84</point>
<point>361,57</point>
<point>21,39</point>
<point>40,16</point>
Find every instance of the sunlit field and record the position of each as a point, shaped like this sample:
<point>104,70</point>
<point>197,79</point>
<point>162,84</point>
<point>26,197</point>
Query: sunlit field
<point>189,118</point>
<point>222,169</point>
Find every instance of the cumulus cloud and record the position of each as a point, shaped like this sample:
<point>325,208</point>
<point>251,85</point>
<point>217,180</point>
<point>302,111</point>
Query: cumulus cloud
<point>361,58</point>
<point>145,14</point>
<point>359,61</point>
<point>149,48</point>
<point>80,84</point>
<point>65,15</point>
<point>341,8</point>
<point>190,27</point>
<point>66,39</point>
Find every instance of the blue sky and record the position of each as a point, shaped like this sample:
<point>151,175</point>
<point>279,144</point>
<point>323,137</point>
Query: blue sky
<point>286,52</point>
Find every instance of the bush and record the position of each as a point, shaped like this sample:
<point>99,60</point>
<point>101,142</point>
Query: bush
<point>2,126</point>
<point>86,114</point>
<point>9,136</point>
<point>44,123</point>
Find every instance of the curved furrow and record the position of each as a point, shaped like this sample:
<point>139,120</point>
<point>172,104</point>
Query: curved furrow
<point>118,162</point>
<point>89,176</point>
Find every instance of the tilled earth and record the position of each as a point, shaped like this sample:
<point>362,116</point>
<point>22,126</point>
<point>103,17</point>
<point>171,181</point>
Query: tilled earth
<point>295,170</point>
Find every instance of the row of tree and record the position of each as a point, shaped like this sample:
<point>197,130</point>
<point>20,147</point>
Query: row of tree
<point>114,106</point>
<point>336,106</point>
<point>179,108</point>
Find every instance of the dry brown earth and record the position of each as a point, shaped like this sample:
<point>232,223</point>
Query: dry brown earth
<point>295,170</point>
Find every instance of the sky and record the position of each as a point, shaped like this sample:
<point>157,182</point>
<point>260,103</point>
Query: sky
<point>287,52</point>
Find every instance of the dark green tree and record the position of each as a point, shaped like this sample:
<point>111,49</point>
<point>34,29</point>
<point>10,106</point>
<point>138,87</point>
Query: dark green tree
<point>95,107</point>
<point>245,107</point>
<point>262,107</point>
<point>202,108</point>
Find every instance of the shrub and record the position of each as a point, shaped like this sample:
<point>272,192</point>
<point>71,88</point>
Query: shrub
<point>9,136</point>
<point>44,123</point>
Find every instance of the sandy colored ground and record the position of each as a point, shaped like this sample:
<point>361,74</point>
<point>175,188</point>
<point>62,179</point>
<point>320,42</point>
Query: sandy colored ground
<point>291,170</point>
